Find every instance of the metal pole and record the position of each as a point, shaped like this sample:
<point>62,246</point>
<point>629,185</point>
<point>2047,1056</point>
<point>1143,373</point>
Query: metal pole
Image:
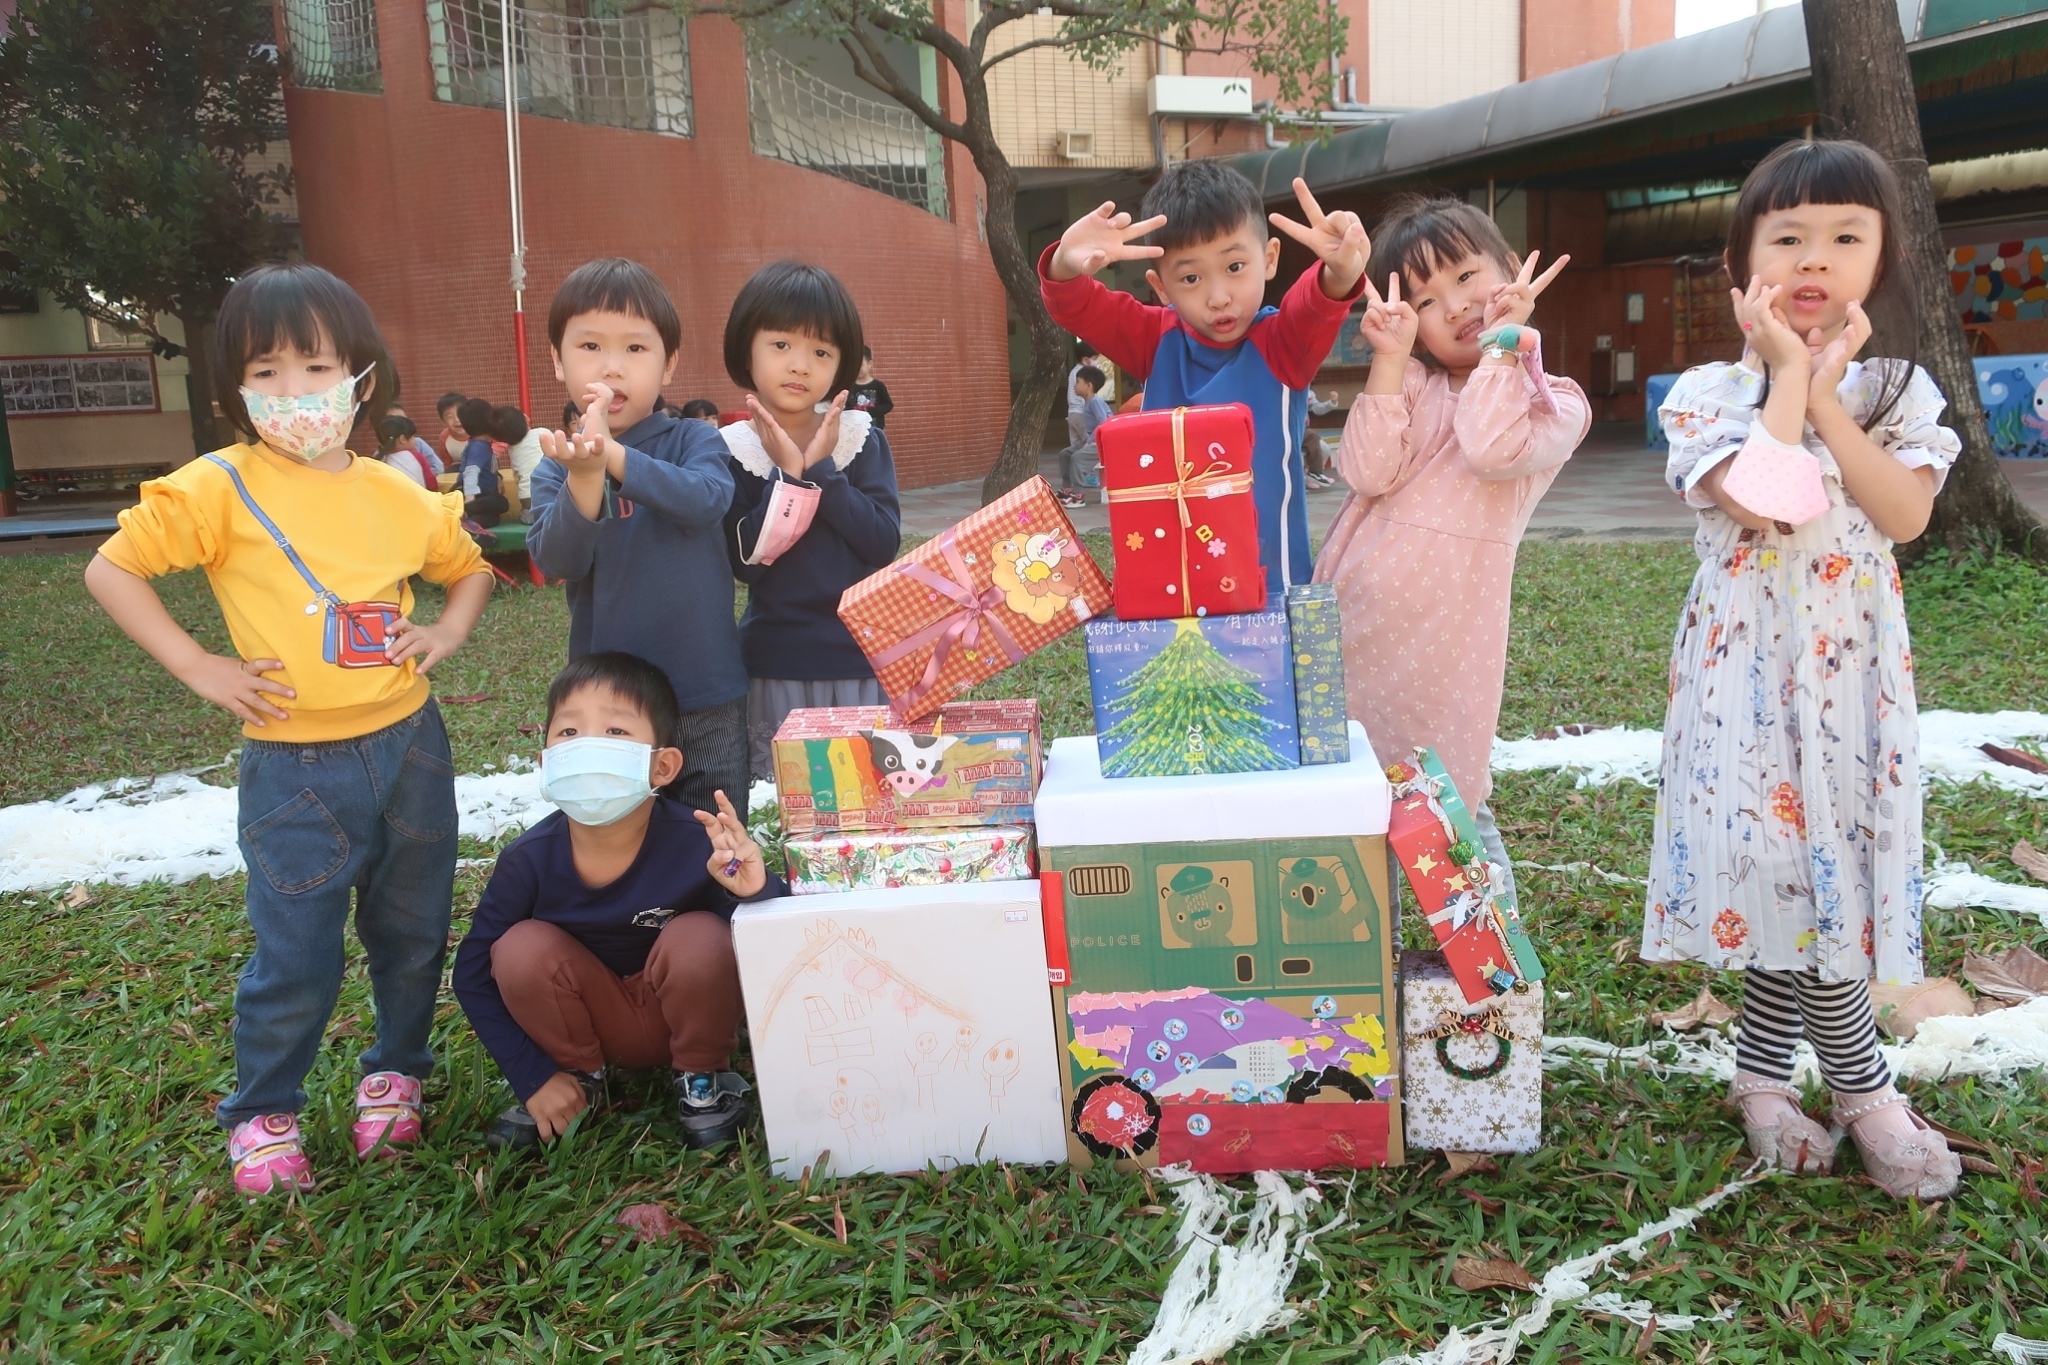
<point>512,176</point>
<point>9,494</point>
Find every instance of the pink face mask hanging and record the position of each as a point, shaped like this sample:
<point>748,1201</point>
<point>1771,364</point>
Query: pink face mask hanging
<point>1782,483</point>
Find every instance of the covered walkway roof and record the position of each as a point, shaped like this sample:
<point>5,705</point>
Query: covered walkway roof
<point>1698,108</point>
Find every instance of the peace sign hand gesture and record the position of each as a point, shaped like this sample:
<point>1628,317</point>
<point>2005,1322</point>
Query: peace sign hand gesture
<point>1103,236</point>
<point>1338,240</point>
<point>735,862</point>
<point>1516,300</point>
<point>1389,324</point>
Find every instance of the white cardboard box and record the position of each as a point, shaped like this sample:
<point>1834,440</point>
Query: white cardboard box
<point>897,1028</point>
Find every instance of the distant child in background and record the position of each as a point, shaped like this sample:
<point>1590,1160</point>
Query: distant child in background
<point>1788,841</point>
<point>1446,453</point>
<point>522,450</point>
<point>869,394</point>
<point>428,456</point>
<point>1314,454</point>
<point>630,510</point>
<point>1078,462</point>
<point>792,341</point>
<point>603,938</point>
<point>482,501</point>
<point>453,437</point>
<point>1087,357</point>
<point>395,447</point>
<point>346,793</point>
<point>1215,341</point>
<point>701,410</point>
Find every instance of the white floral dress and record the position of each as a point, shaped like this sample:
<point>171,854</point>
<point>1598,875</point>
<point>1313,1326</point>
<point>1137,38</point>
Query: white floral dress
<point>1788,822</point>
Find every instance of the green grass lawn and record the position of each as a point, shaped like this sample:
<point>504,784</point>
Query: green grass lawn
<point>120,1238</point>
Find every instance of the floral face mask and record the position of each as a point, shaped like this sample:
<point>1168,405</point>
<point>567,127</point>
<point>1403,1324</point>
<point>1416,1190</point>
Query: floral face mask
<point>308,425</point>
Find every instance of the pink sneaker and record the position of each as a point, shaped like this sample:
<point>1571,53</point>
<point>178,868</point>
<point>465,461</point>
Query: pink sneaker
<point>269,1156</point>
<point>387,1114</point>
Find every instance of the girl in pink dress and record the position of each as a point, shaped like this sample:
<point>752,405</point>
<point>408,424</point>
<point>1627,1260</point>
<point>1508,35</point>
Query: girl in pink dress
<point>1446,455</point>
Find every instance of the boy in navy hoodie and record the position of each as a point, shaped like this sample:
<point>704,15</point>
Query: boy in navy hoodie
<point>1213,341</point>
<point>629,510</point>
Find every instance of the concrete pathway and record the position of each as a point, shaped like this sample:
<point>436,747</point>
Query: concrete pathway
<point>1612,489</point>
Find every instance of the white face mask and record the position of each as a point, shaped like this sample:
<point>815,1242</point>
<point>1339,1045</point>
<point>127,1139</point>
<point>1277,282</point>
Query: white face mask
<point>594,780</point>
<point>308,425</point>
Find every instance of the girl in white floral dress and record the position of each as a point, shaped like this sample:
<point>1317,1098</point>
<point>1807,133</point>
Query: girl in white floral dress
<point>1788,841</point>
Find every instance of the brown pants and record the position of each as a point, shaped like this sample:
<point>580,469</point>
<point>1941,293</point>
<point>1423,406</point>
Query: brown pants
<point>682,1010</point>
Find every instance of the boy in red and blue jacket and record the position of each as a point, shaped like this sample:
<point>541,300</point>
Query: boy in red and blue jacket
<point>1213,341</point>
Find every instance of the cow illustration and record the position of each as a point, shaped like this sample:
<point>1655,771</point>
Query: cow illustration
<point>908,763</point>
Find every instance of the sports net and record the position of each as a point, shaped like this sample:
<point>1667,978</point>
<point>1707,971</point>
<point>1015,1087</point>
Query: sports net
<point>628,70</point>
<point>807,121</point>
<point>332,45</point>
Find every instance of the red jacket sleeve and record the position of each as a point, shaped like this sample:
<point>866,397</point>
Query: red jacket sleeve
<point>1119,326</point>
<point>1297,339</point>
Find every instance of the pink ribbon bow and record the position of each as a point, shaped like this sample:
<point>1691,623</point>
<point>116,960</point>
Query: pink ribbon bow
<point>962,627</point>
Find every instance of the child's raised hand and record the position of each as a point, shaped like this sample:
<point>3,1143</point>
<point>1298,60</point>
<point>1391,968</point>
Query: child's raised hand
<point>1515,301</point>
<point>781,449</point>
<point>575,453</point>
<point>1831,361</point>
<point>1101,237</point>
<point>735,862</point>
<point>1338,240</point>
<point>1389,324</point>
<point>597,410</point>
<point>1766,331</point>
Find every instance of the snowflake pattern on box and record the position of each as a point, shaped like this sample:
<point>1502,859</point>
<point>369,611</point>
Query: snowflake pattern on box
<point>1503,1111</point>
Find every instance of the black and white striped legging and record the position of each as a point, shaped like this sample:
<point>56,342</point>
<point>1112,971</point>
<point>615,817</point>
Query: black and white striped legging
<point>1835,1016</point>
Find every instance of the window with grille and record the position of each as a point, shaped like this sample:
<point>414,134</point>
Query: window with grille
<point>622,70</point>
<point>332,45</point>
<point>800,117</point>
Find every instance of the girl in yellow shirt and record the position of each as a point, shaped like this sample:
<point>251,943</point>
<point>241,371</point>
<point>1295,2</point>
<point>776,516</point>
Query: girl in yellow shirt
<point>346,779</point>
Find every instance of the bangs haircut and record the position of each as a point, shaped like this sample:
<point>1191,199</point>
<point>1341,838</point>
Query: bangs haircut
<point>476,416</point>
<point>277,308</point>
<point>1202,200</point>
<point>1840,172</point>
<point>1422,234</point>
<point>613,284</point>
<point>790,296</point>
<point>632,680</point>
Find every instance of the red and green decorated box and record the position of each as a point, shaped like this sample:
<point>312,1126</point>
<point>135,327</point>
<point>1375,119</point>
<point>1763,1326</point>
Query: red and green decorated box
<point>860,768</point>
<point>1223,956</point>
<point>998,586</point>
<point>1467,899</point>
<point>1183,527</point>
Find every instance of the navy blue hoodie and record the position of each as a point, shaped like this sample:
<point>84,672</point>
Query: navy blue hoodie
<point>792,628</point>
<point>649,576</point>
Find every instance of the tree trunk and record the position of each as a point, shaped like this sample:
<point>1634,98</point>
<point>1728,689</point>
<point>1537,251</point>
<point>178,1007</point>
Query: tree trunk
<point>206,433</point>
<point>1863,89</point>
<point>1032,405</point>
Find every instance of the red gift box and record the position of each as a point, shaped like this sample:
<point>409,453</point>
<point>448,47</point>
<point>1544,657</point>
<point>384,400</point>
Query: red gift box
<point>1002,583</point>
<point>1232,1139</point>
<point>1472,944</point>
<point>1181,518</point>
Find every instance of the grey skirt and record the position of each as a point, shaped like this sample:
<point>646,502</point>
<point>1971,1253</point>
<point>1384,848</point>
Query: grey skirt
<point>770,700</point>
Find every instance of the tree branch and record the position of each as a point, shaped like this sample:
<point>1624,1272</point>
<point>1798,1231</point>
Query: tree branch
<point>871,64</point>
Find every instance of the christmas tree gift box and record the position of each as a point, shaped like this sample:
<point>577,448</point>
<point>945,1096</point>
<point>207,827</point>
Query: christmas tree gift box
<point>858,860</point>
<point>1315,631</point>
<point>858,767</point>
<point>1223,961</point>
<point>896,1029</point>
<point>1471,1076</point>
<point>1209,695</point>
<point>1467,899</point>
<point>1184,529</point>
<point>1001,584</point>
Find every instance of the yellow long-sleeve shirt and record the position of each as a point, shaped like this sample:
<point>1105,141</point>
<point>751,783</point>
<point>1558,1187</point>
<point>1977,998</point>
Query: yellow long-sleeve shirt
<point>363,532</point>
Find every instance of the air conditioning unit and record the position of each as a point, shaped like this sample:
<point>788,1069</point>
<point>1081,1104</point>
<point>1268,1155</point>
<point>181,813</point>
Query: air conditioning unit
<point>1200,96</point>
<point>1075,144</point>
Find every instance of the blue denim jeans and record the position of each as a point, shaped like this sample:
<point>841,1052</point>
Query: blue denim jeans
<point>368,822</point>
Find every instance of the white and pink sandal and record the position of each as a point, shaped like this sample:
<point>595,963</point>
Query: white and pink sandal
<point>269,1156</point>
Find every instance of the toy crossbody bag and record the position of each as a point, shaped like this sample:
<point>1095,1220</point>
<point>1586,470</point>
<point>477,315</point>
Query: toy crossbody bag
<point>356,632</point>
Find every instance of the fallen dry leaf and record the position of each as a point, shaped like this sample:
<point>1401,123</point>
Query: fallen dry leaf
<point>1900,1009</point>
<point>78,897</point>
<point>531,727</point>
<point>1465,1163</point>
<point>1973,1162</point>
<point>1642,1348</point>
<point>2014,758</point>
<point>1498,1272</point>
<point>1560,731</point>
<point>654,1223</point>
<point>839,1222</point>
<point>341,1324</point>
<point>465,699</point>
<point>1493,1208</point>
<point>1706,1008</point>
<point>2030,860</point>
<point>2017,974</point>
<point>1961,1142</point>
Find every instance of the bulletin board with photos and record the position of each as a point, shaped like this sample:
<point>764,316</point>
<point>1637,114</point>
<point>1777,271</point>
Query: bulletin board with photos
<point>71,386</point>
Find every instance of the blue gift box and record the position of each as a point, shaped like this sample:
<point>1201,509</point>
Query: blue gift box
<point>1196,695</point>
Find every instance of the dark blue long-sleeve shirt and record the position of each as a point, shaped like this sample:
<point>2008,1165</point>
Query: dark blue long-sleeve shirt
<point>536,878</point>
<point>649,575</point>
<point>792,628</point>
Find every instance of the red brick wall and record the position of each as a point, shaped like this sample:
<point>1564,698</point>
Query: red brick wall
<point>405,198</point>
<point>1563,33</point>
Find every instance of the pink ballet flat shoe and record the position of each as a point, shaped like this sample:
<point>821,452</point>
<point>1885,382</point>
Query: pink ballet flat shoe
<point>269,1156</point>
<point>1779,1133</point>
<point>387,1114</point>
<point>1908,1159</point>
